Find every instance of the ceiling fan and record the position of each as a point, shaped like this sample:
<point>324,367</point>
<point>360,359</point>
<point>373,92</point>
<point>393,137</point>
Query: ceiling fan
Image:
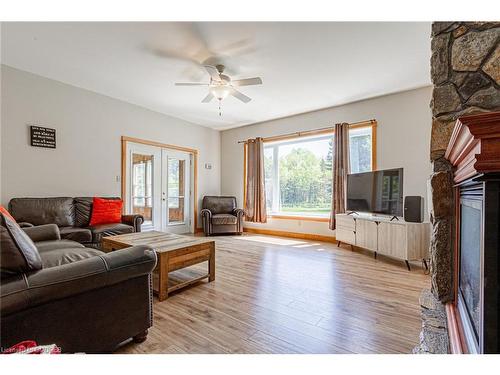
<point>221,85</point>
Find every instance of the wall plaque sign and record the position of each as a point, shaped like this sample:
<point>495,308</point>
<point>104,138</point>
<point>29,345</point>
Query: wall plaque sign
<point>43,137</point>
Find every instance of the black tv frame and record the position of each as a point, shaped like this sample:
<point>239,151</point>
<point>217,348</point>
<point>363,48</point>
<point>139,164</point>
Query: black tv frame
<point>401,195</point>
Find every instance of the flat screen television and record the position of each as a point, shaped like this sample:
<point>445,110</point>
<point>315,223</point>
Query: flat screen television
<point>378,192</point>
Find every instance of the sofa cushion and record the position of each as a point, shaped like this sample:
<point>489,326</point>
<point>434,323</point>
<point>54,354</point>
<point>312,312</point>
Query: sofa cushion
<point>83,210</point>
<point>221,219</point>
<point>219,205</point>
<point>82,235</point>
<point>44,246</point>
<point>39,211</point>
<point>106,211</point>
<point>58,257</point>
<point>103,230</point>
<point>18,253</point>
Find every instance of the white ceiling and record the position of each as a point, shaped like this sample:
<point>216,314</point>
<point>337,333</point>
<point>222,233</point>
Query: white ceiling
<point>304,66</point>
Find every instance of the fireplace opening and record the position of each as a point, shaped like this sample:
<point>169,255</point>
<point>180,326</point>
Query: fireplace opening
<point>469,267</point>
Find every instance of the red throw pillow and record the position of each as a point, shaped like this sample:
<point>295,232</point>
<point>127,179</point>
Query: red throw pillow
<point>106,211</point>
<point>4,211</point>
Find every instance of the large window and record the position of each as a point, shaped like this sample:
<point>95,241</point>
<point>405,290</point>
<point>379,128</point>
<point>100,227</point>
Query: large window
<point>298,171</point>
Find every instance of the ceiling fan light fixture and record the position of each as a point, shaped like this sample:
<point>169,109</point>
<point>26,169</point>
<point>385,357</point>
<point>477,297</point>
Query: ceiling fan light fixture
<point>220,91</point>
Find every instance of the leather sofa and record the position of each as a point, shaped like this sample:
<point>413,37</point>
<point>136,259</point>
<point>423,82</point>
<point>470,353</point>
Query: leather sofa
<point>72,216</point>
<point>220,215</point>
<point>79,298</point>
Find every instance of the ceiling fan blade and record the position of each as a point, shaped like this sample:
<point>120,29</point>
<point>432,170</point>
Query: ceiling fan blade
<point>190,84</point>
<point>240,96</point>
<point>247,81</point>
<point>214,73</point>
<point>208,98</point>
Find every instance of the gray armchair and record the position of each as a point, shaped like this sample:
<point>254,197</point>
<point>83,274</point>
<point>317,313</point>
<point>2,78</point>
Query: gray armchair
<point>220,215</point>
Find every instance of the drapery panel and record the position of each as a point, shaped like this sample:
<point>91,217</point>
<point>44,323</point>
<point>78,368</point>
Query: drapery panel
<point>340,171</point>
<point>255,204</point>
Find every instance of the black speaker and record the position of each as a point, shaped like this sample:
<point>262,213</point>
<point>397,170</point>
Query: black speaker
<point>414,209</point>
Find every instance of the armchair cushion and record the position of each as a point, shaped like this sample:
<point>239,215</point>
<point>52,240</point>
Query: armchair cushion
<point>74,278</point>
<point>45,232</point>
<point>222,219</point>
<point>219,205</point>
<point>82,235</point>
<point>18,253</point>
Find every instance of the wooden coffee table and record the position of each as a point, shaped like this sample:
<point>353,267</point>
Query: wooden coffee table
<point>174,253</point>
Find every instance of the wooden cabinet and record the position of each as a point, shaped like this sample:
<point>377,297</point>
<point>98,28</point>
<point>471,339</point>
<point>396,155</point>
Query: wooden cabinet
<point>397,239</point>
<point>392,240</point>
<point>345,229</point>
<point>366,234</point>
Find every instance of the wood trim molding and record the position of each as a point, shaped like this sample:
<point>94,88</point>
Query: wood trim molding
<point>374,145</point>
<point>159,144</point>
<point>280,233</point>
<point>192,151</point>
<point>474,147</point>
<point>454,331</point>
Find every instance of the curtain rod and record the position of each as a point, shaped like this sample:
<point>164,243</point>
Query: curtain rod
<point>298,134</point>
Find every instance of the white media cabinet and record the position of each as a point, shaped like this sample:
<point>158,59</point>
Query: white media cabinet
<point>397,239</point>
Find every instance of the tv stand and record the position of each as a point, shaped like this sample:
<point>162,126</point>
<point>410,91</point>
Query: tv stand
<point>394,217</point>
<point>352,213</point>
<point>397,239</point>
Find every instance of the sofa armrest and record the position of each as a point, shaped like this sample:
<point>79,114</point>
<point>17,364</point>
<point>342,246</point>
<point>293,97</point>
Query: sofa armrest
<point>47,232</point>
<point>206,219</point>
<point>133,220</point>
<point>206,213</point>
<point>239,212</point>
<point>28,290</point>
<point>24,224</point>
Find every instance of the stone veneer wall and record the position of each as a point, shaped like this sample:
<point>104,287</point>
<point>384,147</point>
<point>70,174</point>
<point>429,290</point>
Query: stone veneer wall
<point>465,71</point>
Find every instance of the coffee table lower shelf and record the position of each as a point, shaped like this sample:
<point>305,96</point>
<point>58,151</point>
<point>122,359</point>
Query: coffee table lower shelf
<point>178,259</point>
<point>174,252</point>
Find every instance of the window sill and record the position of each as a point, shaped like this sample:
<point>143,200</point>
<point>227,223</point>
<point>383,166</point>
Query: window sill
<point>303,218</point>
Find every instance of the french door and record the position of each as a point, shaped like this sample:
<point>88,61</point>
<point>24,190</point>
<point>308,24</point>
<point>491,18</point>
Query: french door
<point>158,186</point>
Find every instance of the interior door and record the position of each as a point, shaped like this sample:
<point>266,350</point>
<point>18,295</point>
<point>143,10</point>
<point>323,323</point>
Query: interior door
<point>176,191</point>
<point>143,181</point>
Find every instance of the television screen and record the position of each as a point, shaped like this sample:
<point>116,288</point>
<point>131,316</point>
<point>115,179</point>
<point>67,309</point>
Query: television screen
<point>377,192</point>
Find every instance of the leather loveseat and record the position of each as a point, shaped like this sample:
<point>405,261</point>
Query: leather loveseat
<point>220,215</point>
<point>59,292</point>
<point>72,216</point>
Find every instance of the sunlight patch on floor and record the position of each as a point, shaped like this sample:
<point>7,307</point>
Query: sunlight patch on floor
<point>307,245</point>
<point>271,240</point>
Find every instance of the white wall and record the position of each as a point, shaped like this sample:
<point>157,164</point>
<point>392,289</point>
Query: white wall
<point>403,136</point>
<point>89,127</point>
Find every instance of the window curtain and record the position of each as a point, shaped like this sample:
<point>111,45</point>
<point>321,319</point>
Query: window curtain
<point>340,171</point>
<point>255,203</point>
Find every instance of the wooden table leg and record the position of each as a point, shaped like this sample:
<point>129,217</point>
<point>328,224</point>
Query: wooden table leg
<point>211,263</point>
<point>162,276</point>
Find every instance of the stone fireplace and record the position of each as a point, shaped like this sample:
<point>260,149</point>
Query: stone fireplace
<point>465,72</point>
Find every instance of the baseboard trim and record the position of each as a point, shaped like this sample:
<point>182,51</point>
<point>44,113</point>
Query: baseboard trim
<point>281,233</point>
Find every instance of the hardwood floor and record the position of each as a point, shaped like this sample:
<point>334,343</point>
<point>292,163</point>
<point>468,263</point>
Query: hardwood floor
<point>282,295</point>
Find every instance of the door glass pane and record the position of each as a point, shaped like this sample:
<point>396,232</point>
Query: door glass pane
<point>176,189</point>
<point>142,202</point>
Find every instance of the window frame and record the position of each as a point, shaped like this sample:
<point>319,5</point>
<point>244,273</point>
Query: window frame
<point>369,124</point>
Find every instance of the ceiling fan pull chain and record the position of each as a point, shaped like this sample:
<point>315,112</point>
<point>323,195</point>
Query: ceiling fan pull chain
<point>220,112</point>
